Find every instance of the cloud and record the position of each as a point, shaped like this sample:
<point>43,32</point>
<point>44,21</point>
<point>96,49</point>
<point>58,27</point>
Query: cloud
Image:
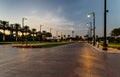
<point>52,19</point>
<point>49,19</point>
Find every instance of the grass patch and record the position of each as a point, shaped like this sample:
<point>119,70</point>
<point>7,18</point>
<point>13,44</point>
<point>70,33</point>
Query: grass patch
<point>114,45</point>
<point>48,45</point>
<point>8,43</point>
<point>44,45</point>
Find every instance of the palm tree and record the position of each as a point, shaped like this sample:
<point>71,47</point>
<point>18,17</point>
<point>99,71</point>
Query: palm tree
<point>5,25</point>
<point>33,32</point>
<point>22,31</point>
<point>11,29</point>
<point>26,29</point>
<point>46,34</point>
<point>38,34</point>
<point>0,24</point>
<point>17,28</point>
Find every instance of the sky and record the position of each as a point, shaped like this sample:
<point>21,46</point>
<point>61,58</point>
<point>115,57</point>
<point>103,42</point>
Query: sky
<point>61,15</point>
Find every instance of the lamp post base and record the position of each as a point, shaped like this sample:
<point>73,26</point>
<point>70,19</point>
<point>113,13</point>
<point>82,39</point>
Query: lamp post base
<point>105,48</point>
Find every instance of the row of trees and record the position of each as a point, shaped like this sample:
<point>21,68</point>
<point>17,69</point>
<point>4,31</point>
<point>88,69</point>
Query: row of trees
<point>19,33</point>
<point>115,35</point>
<point>115,32</point>
<point>23,33</point>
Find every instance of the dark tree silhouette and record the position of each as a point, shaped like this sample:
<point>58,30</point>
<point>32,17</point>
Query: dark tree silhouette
<point>33,32</point>
<point>16,28</point>
<point>115,32</point>
<point>5,25</point>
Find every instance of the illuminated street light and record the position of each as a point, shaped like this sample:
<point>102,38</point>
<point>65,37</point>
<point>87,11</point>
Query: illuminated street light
<point>93,15</point>
<point>89,15</point>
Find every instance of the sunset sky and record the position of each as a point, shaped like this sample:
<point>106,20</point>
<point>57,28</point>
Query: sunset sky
<point>61,15</point>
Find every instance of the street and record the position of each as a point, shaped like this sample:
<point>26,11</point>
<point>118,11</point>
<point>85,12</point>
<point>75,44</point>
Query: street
<point>73,60</point>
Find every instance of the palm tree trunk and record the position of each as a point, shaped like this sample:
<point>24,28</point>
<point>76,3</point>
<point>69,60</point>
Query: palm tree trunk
<point>22,37</point>
<point>26,39</point>
<point>33,37</point>
<point>4,35</point>
<point>16,35</point>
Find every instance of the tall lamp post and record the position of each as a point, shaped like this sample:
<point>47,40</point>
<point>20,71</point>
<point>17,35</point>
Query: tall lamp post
<point>23,19</point>
<point>105,23</point>
<point>93,15</point>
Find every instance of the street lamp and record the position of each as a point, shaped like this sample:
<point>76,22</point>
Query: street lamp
<point>93,15</point>
<point>23,19</point>
<point>105,23</point>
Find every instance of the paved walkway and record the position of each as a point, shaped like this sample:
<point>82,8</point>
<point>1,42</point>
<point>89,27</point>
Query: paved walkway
<point>110,50</point>
<point>112,61</point>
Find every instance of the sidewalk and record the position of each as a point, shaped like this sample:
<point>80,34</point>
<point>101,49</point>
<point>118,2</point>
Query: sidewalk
<point>110,50</point>
<point>112,61</point>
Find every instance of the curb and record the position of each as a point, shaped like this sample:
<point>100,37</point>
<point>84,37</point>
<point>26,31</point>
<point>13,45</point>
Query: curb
<point>108,51</point>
